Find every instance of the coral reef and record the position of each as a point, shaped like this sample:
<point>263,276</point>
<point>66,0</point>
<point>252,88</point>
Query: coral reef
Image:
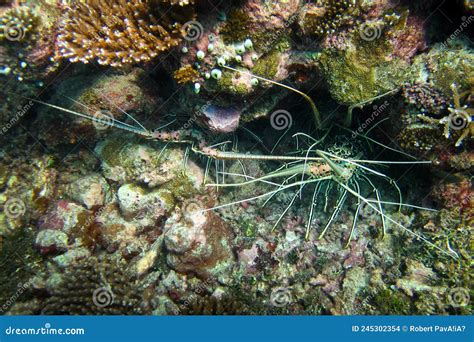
<point>425,98</point>
<point>161,181</point>
<point>440,119</point>
<point>27,37</point>
<point>121,33</point>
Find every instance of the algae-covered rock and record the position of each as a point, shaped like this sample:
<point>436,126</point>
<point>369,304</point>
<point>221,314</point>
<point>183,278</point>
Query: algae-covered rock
<point>130,162</point>
<point>135,202</point>
<point>441,67</point>
<point>262,21</point>
<point>65,216</point>
<point>374,58</point>
<point>105,96</point>
<point>362,72</point>
<point>199,242</point>
<point>49,241</point>
<point>91,190</point>
<point>417,278</point>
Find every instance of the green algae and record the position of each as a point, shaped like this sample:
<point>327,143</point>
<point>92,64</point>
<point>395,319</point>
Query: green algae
<point>362,72</point>
<point>236,26</point>
<point>229,83</point>
<point>443,67</point>
<point>389,302</point>
<point>267,66</point>
<point>180,187</point>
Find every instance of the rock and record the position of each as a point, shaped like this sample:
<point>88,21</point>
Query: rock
<point>147,259</point>
<point>49,241</point>
<point>119,234</point>
<point>91,191</point>
<point>65,216</point>
<point>107,96</point>
<point>135,203</point>
<point>248,258</point>
<point>199,242</point>
<point>417,278</point>
<point>71,257</point>
<point>146,262</point>
<point>220,119</point>
<point>129,162</point>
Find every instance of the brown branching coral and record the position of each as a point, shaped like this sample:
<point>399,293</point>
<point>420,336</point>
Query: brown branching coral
<point>97,287</point>
<point>186,74</point>
<point>122,32</point>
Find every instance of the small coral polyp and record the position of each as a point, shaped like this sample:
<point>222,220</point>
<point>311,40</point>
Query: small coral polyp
<point>122,32</point>
<point>327,16</point>
<point>17,24</point>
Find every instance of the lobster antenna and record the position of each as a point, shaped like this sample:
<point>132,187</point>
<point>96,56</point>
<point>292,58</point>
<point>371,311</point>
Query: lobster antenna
<point>317,117</point>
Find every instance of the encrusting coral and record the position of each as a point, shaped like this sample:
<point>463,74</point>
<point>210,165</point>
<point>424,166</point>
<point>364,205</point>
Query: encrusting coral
<point>122,32</point>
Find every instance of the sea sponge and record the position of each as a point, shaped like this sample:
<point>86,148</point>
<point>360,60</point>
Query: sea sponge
<point>122,32</point>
